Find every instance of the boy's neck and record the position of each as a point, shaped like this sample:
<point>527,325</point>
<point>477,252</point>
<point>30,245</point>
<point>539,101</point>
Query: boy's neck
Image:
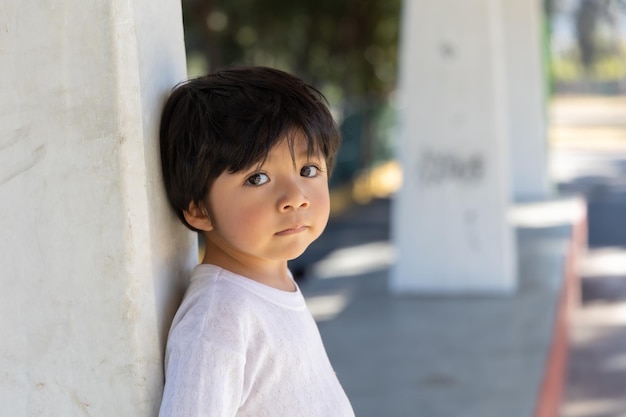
<point>273,274</point>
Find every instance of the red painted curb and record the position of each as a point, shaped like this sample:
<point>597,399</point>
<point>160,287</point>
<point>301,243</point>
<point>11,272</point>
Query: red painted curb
<point>552,386</point>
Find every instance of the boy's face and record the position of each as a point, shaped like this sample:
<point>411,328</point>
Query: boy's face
<point>272,212</point>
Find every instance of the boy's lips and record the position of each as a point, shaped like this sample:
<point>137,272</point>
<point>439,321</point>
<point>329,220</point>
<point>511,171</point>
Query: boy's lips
<point>292,230</point>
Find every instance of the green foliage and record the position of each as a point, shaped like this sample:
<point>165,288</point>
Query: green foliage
<point>608,66</point>
<point>347,47</point>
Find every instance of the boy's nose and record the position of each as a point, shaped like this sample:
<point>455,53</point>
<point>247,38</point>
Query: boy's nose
<point>293,198</point>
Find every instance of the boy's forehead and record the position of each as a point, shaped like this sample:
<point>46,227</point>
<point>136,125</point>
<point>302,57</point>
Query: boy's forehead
<point>298,147</point>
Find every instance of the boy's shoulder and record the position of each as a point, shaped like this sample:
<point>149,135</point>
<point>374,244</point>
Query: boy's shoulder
<point>211,305</point>
<point>214,287</point>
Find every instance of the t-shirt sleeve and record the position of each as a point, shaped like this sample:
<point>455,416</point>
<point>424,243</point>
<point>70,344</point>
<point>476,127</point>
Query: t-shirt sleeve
<point>202,379</point>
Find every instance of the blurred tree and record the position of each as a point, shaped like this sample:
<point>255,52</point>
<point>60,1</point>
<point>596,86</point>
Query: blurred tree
<point>589,16</point>
<point>586,21</point>
<point>348,47</point>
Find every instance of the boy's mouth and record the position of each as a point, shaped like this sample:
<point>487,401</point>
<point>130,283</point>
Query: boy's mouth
<point>292,230</point>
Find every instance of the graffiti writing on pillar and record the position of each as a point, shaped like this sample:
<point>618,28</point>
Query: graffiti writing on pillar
<point>438,167</point>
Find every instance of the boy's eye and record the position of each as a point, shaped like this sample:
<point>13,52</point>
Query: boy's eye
<point>257,179</point>
<point>309,171</point>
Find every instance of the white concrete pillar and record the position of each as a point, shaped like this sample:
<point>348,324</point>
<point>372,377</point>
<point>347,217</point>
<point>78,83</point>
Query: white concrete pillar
<point>526,98</point>
<point>450,217</point>
<point>92,260</point>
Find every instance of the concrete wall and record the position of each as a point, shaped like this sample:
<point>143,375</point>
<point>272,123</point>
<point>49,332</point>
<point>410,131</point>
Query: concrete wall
<point>92,261</point>
<point>526,98</point>
<point>450,222</point>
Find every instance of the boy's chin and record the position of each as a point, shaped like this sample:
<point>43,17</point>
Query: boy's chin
<point>295,250</point>
<point>295,254</point>
<point>294,257</point>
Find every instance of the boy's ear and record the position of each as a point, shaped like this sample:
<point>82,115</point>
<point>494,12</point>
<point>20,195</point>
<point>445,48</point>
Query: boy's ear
<point>198,217</point>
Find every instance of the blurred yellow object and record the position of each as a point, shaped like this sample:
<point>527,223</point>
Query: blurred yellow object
<point>379,182</point>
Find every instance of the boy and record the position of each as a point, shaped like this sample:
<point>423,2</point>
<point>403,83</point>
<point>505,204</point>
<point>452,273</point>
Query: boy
<point>246,155</point>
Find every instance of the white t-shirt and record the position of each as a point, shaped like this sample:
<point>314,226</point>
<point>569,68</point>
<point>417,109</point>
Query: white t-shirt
<point>238,348</point>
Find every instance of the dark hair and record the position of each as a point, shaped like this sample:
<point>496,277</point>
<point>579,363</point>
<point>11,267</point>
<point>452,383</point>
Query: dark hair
<point>230,120</point>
